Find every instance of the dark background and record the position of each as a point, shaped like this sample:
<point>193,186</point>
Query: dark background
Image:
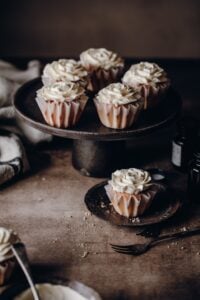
<point>137,28</point>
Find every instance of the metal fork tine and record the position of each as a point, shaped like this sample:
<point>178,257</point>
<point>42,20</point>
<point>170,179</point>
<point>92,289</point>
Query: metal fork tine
<point>121,247</point>
<point>123,251</point>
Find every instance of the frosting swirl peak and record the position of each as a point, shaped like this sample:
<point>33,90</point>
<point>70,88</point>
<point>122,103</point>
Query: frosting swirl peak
<point>62,92</point>
<point>118,94</point>
<point>65,70</point>
<point>131,181</point>
<point>7,239</point>
<point>145,73</point>
<point>100,58</point>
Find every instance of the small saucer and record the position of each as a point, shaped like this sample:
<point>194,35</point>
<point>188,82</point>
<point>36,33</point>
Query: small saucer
<point>164,206</point>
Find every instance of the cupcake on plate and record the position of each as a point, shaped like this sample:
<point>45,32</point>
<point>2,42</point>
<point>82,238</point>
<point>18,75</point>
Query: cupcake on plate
<point>62,103</point>
<point>118,106</point>
<point>7,260</point>
<point>104,67</point>
<point>150,79</point>
<point>64,70</point>
<point>131,191</point>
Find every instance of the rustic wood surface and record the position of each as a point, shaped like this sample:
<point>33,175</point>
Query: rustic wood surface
<point>46,207</point>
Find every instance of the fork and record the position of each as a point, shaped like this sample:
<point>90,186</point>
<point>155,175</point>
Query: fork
<point>138,249</point>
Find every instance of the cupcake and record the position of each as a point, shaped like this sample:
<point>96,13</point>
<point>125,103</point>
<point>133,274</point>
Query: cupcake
<point>150,79</point>
<point>104,67</point>
<point>131,191</point>
<point>118,106</point>
<point>7,260</point>
<point>64,70</point>
<point>62,103</point>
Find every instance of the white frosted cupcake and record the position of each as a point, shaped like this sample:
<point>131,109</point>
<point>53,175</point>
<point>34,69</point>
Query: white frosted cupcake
<point>118,106</point>
<point>65,70</point>
<point>131,191</point>
<point>62,103</point>
<point>150,79</point>
<point>104,67</point>
<point>7,260</point>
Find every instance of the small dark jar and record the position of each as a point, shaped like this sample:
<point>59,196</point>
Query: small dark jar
<point>194,178</point>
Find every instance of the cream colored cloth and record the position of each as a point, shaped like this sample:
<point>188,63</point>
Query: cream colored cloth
<point>13,160</point>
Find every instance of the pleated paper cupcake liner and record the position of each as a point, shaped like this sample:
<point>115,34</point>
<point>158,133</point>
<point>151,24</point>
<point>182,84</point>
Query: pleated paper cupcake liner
<point>118,117</point>
<point>6,270</point>
<point>153,95</point>
<point>130,205</point>
<point>100,78</point>
<point>61,114</point>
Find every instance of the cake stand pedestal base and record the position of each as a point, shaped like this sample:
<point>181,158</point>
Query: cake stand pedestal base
<point>97,158</point>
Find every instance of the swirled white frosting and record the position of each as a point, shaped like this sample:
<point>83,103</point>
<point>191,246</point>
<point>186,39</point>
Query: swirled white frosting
<point>145,73</point>
<point>131,181</point>
<point>100,58</point>
<point>65,70</point>
<point>62,92</point>
<point>7,239</point>
<point>51,292</point>
<point>118,94</point>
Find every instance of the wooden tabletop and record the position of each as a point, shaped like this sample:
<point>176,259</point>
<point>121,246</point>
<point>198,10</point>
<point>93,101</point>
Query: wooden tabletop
<point>46,207</point>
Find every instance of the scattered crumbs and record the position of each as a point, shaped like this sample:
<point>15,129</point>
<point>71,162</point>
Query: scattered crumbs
<point>40,199</point>
<point>182,248</point>
<point>85,254</point>
<point>102,205</point>
<point>43,178</point>
<point>54,241</point>
<point>87,213</point>
<point>135,220</point>
<point>198,253</point>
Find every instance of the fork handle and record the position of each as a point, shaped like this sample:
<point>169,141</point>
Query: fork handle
<point>176,235</point>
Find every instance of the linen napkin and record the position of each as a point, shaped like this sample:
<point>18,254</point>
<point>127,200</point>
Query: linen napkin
<point>13,159</point>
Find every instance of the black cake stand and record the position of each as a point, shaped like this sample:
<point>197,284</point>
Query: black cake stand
<point>97,150</point>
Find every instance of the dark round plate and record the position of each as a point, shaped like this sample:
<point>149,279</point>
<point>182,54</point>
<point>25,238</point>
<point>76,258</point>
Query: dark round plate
<point>89,126</point>
<point>15,290</point>
<point>164,206</point>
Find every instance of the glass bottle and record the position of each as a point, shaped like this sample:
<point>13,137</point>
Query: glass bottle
<point>183,144</point>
